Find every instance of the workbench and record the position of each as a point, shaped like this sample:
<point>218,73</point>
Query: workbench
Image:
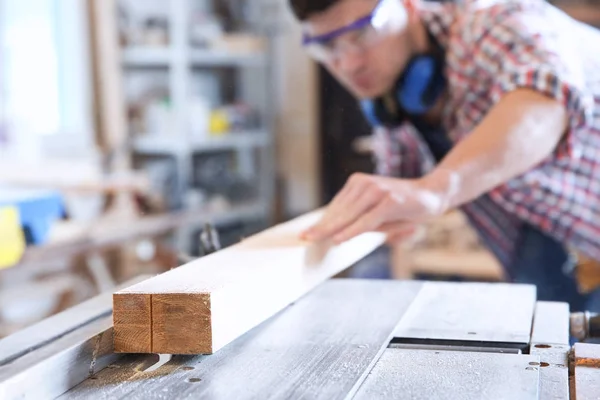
<point>347,338</point>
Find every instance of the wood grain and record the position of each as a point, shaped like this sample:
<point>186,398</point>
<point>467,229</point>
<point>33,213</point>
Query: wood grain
<point>132,320</point>
<point>321,347</point>
<point>230,292</point>
<point>183,318</point>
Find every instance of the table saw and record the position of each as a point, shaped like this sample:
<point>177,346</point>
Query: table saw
<point>346,339</point>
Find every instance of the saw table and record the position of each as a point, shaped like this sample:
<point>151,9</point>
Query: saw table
<point>346,339</point>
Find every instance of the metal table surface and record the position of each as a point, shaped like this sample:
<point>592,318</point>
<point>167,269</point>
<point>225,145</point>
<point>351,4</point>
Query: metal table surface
<point>363,339</point>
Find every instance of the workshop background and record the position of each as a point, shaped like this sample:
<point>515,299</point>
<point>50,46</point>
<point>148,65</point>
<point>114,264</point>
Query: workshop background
<point>127,125</point>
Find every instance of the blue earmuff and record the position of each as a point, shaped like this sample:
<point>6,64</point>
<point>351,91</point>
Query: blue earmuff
<point>415,92</point>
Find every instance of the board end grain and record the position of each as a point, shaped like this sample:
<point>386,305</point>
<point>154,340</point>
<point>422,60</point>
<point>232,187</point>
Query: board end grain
<point>132,321</point>
<point>182,323</point>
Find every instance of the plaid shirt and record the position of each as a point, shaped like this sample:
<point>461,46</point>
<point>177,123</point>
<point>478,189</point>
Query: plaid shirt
<point>492,47</point>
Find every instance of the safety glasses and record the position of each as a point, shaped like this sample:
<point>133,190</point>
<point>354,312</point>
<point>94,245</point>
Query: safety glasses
<point>388,17</point>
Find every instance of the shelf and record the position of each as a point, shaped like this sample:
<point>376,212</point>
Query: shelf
<point>111,234</point>
<point>161,57</point>
<point>243,212</point>
<point>147,56</point>
<point>162,223</point>
<point>200,58</point>
<point>178,145</point>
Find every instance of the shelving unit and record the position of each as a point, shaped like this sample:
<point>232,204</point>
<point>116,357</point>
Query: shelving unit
<point>146,57</point>
<point>184,72</point>
<point>178,145</point>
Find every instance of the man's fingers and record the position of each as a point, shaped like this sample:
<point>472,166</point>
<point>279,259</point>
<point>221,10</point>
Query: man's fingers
<point>368,222</point>
<point>351,212</point>
<point>362,196</point>
<point>351,190</point>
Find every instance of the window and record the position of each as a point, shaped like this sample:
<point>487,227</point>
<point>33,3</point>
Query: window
<point>45,82</point>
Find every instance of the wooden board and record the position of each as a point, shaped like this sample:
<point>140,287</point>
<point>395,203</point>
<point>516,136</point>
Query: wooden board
<point>440,375</point>
<point>321,347</point>
<point>202,306</point>
<point>470,312</point>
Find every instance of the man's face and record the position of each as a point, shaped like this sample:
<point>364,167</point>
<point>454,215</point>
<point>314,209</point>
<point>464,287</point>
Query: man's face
<point>370,70</point>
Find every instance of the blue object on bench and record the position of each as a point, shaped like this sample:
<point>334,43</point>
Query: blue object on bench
<point>38,210</point>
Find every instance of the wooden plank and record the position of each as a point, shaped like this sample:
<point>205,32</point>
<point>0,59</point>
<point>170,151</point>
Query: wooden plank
<point>587,371</point>
<point>132,319</point>
<point>428,374</point>
<point>321,347</point>
<point>470,312</point>
<point>230,292</point>
<point>550,342</point>
<point>54,369</point>
<point>111,121</point>
<point>44,332</point>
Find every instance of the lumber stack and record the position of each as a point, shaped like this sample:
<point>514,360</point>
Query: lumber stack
<point>202,306</point>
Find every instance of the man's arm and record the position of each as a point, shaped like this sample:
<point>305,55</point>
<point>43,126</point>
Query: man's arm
<point>519,132</point>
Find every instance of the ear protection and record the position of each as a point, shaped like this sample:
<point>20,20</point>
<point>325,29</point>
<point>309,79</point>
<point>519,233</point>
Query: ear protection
<point>415,92</point>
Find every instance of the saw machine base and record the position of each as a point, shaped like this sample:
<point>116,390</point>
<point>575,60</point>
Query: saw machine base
<point>346,339</point>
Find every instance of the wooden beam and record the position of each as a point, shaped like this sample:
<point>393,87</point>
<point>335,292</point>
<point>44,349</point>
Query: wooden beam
<point>202,306</point>
<point>108,82</point>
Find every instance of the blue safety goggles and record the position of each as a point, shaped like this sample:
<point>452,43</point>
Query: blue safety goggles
<point>388,16</point>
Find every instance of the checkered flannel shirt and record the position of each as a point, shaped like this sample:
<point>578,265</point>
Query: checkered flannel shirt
<point>493,47</point>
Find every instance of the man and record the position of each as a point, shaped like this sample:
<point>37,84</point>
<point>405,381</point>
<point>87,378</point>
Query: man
<point>492,106</point>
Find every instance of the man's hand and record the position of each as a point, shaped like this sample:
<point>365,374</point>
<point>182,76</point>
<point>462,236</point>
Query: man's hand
<point>370,203</point>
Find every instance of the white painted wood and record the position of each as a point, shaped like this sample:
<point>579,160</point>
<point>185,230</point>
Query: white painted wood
<point>247,283</point>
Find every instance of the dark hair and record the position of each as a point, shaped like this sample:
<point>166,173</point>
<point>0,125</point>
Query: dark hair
<point>305,8</point>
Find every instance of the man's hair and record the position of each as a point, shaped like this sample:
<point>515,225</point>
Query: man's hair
<point>303,9</point>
